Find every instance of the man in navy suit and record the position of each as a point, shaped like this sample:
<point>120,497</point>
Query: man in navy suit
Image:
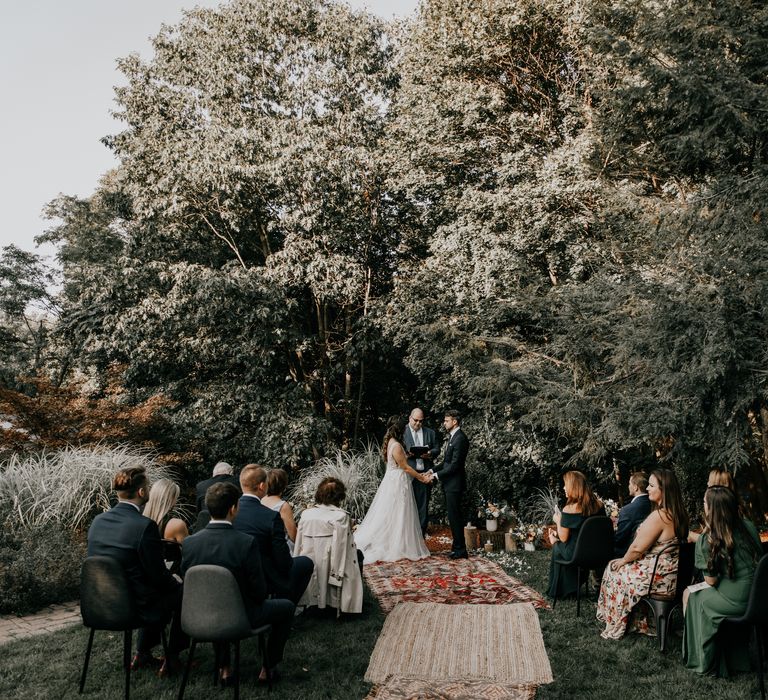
<point>417,434</point>
<point>632,514</point>
<point>286,576</point>
<point>220,544</point>
<point>124,534</point>
<point>452,475</point>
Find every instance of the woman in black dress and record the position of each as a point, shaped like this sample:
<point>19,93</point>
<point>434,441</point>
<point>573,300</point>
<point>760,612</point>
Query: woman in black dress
<point>580,503</point>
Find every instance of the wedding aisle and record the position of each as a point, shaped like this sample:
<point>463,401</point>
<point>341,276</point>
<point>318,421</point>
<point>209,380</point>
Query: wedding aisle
<point>457,629</point>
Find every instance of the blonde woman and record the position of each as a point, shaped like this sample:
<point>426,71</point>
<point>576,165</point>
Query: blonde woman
<point>162,498</point>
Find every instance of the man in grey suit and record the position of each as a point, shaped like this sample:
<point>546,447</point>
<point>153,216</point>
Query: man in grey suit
<point>419,436</point>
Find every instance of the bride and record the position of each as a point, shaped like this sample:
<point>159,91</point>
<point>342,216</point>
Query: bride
<point>391,529</point>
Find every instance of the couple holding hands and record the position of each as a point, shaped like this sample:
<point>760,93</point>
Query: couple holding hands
<point>396,522</point>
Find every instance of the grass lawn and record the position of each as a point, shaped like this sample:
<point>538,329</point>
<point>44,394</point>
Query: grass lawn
<point>327,659</point>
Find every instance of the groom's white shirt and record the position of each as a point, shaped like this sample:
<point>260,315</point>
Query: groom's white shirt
<point>418,439</point>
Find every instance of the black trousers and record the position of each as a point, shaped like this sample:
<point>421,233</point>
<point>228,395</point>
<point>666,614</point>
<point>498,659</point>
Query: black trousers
<point>422,492</point>
<point>453,505</point>
<point>278,613</point>
<point>298,580</point>
<point>167,608</point>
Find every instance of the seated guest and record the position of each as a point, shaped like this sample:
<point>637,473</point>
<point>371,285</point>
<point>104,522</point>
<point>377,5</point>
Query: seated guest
<point>721,477</point>
<point>220,544</point>
<point>627,579</point>
<point>325,536</point>
<point>286,577</point>
<point>727,552</point>
<point>632,514</point>
<point>162,499</point>
<point>222,473</point>
<point>277,481</point>
<point>717,477</point>
<point>580,503</point>
<point>131,538</point>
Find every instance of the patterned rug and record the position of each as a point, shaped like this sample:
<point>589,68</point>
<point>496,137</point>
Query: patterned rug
<point>439,579</point>
<point>416,689</point>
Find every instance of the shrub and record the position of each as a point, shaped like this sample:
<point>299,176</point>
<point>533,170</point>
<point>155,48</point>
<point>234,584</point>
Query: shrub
<point>359,471</point>
<point>38,566</point>
<point>68,487</point>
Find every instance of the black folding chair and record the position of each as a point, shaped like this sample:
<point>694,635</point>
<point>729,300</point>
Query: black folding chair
<point>107,603</point>
<point>593,550</point>
<point>755,616</point>
<point>663,605</point>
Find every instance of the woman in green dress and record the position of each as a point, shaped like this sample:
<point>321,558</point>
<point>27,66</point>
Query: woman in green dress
<point>580,503</point>
<point>727,553</point>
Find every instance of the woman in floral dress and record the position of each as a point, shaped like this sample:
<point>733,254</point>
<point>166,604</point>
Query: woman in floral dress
<point>627,579</point>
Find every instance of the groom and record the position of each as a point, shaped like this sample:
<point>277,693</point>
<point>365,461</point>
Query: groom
<point>454,480</point>
<point>418,435</point>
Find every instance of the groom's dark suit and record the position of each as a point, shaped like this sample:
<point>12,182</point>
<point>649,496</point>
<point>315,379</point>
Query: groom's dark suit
<point>421,492</point>
<point>222,545</point>
<point>453,477</point>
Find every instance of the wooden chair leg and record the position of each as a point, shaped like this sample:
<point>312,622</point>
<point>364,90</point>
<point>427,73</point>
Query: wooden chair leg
<point>185,677</point>
<point>127,639</point>
<point>87,659</point>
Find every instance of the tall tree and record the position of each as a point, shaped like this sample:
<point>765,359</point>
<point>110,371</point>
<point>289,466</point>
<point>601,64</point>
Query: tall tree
<point>253,236</point>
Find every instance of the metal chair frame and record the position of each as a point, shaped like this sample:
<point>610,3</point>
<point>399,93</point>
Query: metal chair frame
<point>588,554</point>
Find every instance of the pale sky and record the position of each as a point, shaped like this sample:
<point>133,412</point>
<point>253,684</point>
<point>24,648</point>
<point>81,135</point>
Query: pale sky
<point>57,77</point>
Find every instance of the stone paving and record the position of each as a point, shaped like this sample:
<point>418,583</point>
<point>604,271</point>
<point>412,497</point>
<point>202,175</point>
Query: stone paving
<point>50,619</point>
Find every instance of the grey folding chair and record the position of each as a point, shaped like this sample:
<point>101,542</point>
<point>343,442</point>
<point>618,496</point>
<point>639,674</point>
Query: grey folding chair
<point>212,610</point>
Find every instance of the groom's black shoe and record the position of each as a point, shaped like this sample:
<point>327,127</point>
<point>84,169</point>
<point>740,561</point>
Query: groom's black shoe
<point>458,555</point>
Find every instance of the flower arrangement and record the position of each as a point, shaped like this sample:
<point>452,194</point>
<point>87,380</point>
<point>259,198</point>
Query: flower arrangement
<point>493,511</point>
<point>611,510</point>
<point>528,532</point>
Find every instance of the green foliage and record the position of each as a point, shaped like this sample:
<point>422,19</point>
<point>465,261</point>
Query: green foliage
<point>242,237</point>
<point>39,566</point>
<point>27,312</point>
<point>550,216</point>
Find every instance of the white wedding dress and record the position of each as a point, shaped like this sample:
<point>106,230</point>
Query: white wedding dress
<point>391,529</point>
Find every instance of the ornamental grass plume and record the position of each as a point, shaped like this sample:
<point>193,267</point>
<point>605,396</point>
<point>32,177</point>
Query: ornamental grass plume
<point>67,487</point>
<point>358,470</point>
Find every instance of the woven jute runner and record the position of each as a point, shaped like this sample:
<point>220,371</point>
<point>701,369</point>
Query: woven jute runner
<point>499,643</point>
<point>416,689</point>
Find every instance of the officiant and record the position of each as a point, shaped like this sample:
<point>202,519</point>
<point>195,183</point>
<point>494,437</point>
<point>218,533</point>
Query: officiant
<point>421,450</point>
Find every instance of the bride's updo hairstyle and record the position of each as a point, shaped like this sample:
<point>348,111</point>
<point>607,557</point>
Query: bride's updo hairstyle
<point>396,430</point>
<point>127,482</point>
